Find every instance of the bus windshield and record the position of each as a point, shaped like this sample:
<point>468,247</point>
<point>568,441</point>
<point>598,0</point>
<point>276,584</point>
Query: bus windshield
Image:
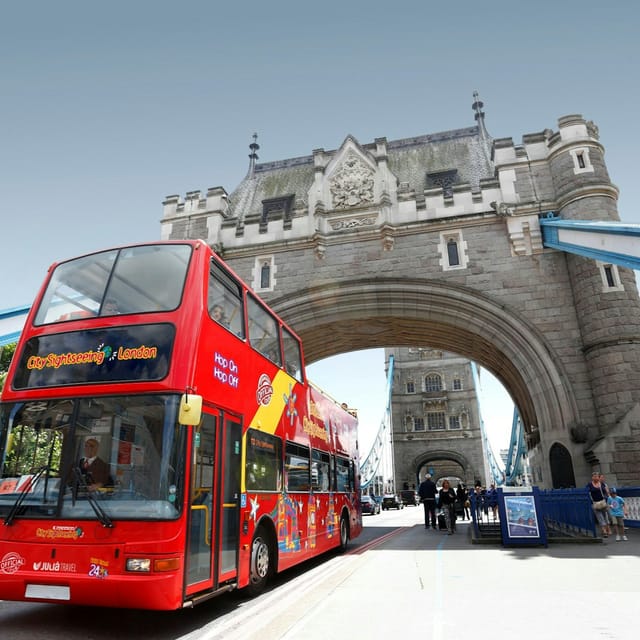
<point>131,280</point>
<point>109,458</point>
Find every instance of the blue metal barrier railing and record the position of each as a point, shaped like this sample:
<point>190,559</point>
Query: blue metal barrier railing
<point>568,512</point>
<point>484,515</point>
<point>565,512</point>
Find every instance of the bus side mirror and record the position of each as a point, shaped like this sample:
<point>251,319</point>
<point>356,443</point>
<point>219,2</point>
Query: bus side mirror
<point>190,409</point>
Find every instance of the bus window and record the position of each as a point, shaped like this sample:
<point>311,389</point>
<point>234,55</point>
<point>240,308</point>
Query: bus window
<point>344,475</point>
<point>292,355</point>
<point>55,445</point>
<point>225,300</point>
<point>263,331</point>
<point>141,279</point>
<point>296,467</point>
<point>76,288</point>
<point>263,462</point>
<point>319,470</point>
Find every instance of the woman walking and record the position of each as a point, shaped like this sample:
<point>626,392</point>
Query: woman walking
<point>447,501</point>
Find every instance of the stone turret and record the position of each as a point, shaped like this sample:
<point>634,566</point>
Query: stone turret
<point>605,297</point>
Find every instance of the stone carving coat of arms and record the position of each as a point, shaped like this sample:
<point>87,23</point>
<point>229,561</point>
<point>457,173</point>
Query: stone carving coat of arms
<point>352,184</point>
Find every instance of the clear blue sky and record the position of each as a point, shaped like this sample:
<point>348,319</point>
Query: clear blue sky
<point>106,108</point>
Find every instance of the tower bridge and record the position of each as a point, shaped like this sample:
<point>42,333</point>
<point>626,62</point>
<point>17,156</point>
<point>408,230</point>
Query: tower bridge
<point>443,240</point>
<point>437,240</point>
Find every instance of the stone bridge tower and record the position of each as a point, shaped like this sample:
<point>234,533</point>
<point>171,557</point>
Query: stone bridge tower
<point>435,241</point>
<point>435,415</point>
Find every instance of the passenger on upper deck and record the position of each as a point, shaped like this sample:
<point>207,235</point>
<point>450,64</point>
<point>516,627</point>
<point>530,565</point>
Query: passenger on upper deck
<point>218,314</point>
<point>110,307</point>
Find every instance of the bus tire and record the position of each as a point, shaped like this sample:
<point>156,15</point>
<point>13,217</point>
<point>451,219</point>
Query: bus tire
<point>260,567</point>
<point>344,532</point>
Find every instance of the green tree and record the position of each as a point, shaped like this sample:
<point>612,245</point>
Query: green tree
<point>6,353</point>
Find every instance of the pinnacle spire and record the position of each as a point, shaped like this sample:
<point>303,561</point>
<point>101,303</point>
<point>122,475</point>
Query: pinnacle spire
<point>479,116</point>
<point>253,156</point>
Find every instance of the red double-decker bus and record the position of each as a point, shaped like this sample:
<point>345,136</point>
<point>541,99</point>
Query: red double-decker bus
<point>159,442</point>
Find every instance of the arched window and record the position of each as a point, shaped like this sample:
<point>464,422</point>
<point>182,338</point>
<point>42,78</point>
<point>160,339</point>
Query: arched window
<point>433,382</point>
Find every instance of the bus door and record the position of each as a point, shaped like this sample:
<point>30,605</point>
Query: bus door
<point>228,537</point>
<point>199,556</point>
<point>213,540</point>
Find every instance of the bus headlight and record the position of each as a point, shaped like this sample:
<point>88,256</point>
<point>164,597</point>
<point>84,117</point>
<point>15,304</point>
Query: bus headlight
<point>144,565</point>
<point>139,565</point>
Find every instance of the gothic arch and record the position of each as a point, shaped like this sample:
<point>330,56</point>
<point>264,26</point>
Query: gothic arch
<point>379,312</point>
<point>439,455</point>
<point>561,465</point>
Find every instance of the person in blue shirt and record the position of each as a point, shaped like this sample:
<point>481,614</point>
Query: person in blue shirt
<point>428,492</point>
<point>492,500</point>
<point>617,511</point>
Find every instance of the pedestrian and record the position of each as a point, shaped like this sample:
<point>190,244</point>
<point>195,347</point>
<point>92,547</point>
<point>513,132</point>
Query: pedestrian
<point>463,499</point>
<point>617,510</point>
<point>492,500</point>
<point>599,503</point>
<point>447,500</point>
<point>427,492</point>
<point>478,499</point>
<point>605,490</point>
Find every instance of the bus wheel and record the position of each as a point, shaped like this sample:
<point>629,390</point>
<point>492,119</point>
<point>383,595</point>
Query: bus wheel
<point>260,562</point>
<point>344,533</point>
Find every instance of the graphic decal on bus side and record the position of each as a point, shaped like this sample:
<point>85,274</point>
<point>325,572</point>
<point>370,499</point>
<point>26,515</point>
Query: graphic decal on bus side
<point>102,353</point>
<point>226,370</point>
<point>290,403</point>
<point>11,562</point>
<point>271,403</point>
<point>98,568</point>
<point>287,512</point>
<point>264,392</point>
<point>286,515</point>
<point>55,567</point>
<point>60,531</point>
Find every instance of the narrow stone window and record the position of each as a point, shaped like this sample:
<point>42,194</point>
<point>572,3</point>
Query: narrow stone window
<point>418,424</point>
<point>581,161</point>
<point>610,277</point>
<point>452,253</point>
<point>454,422</point>
<point>265,275</point>
<point>608,273</point>
<point>457,384</point>
<point>411,387</point>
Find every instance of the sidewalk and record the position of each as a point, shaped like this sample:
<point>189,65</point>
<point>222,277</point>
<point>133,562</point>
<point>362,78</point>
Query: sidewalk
<point>424,584</point>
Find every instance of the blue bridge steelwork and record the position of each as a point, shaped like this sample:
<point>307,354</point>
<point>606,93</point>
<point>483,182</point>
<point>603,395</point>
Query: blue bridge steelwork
<point>611,242</point>
<point>369,467</point>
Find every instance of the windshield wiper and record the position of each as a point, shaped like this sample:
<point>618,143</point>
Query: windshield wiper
<point>28,487</point>
<point>80,481</point>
